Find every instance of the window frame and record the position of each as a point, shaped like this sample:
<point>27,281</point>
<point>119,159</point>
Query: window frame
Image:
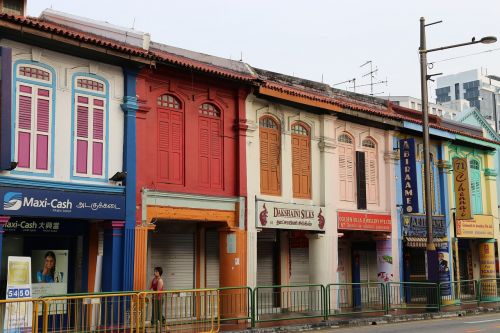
<point>50,85</point>
<point>277,131</point>
<point>218,116</point>
<point>472,171</point>
<point>368,150</point>
<point>92,95</point>
<point>351,145</point>
<point>306,128</point>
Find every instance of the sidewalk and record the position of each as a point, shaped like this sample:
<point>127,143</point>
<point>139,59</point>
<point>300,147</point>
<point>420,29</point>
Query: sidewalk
<point>380,320</point>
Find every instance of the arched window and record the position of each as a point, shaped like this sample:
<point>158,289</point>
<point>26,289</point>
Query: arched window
<point>369,147</point>
<point>270,156</point>
<point>210,146</point>
<point>89,117</point>
<point>34,116</point>
<point>346,167</point>
<point>170,139</point>
<point>301,161</point>
<point>475,186</point>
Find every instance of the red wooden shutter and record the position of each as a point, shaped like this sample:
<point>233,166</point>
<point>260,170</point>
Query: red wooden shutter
<point>176,157</point>
<point>215,154</point>
<point>210,147</point>
<point>204,151</point>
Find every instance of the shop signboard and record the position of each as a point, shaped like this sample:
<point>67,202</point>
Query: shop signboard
<point>18,315</point>
<point>462,191</point>
<point>364,221</point>
<point>290,216</point>
<point>408,175</point>
<point>416,226</point>
<point>480,227</point>
<point>18,201</point>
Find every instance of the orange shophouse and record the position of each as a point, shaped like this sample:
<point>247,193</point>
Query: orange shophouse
<point>191,174</point>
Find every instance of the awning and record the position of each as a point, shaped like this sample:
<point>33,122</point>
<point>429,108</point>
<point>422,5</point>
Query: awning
<point>421,242</point>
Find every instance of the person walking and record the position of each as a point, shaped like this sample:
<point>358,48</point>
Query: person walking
<point>157,285</point>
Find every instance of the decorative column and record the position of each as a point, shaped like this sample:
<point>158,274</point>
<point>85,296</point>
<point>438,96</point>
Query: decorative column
<point>112,270</point>
<point>3,221</point>
<point>392,169</point>
<point>129,108</point>
<point>487,269</point>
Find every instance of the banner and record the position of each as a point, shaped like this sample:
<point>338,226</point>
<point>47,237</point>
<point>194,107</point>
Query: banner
<point>364,221</point>
<point>290,216</point>
<point>416,226</point>
<point>51,274</point>
<point>384,261</point>
<point>444,271</point>
<point>18,316</point>
<point>480,227</point>
<point>409,188</point>
<point>462,191</point>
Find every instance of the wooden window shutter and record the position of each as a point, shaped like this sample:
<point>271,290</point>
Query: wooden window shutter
<point>361,179</point>
<point>270,159</point>
<point>301,162</point>
<point>349,173</point>
<point>210,147</point>
<point>371,176</point>
<point>342,173</point>
<point>475,187</point>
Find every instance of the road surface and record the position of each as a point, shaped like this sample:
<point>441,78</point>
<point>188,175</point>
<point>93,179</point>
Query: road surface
<point>488,323</point>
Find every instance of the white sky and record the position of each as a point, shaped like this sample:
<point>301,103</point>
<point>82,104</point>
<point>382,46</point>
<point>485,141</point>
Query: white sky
<point>312,38</point>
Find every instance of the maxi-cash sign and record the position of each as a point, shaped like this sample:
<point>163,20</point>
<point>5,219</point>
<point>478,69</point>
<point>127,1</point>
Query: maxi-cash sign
<point>290,216</point>
<point>19,201</point>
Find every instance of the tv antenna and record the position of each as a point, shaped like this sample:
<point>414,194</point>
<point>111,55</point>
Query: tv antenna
<point>371,73</point>
<point>353,80</point>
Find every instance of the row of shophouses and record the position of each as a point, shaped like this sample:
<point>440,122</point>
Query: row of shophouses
<point>122,154</point>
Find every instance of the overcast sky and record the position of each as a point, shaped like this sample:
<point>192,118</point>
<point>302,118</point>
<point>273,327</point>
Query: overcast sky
<point>314,38</point>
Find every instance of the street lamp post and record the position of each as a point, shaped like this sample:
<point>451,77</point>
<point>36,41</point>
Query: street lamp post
<point>432,258</point>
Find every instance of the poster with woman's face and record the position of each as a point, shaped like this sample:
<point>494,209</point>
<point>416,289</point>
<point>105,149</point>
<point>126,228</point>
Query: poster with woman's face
<point>49,272</point>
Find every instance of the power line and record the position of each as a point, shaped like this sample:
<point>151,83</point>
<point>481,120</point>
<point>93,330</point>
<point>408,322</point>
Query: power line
<point>431,64</point>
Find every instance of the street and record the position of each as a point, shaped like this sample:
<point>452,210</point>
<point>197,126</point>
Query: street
<point>472,324</point>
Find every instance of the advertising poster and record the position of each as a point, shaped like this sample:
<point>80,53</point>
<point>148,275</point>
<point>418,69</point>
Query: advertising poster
<point>444,271</point>
<point>18,316</point>
<point>384,261</point>
<point>50,274</point>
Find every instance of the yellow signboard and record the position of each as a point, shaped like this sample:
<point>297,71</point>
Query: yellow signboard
<point>480,227</point>
<point>462,193</point>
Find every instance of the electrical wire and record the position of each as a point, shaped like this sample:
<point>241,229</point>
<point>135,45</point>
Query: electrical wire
<point>431,64</point>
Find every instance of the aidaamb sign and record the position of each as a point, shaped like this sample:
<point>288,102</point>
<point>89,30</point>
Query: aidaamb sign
<point>409,175</point>
<point>462,191</point>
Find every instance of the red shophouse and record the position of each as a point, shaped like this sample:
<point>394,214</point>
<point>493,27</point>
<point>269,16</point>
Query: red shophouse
<point>191,170</point>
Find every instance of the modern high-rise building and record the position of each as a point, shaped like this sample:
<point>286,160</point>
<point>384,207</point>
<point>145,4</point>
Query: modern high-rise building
<point>476,86</point>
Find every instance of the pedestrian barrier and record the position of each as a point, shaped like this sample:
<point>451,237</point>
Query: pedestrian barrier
<point>203,310</point>
<point>412,295</point>
<point>489,290</point>
<point>194,310</point>
<point>115,312</point>
<point>355,298</point>
<point>236,304</point>
<point>455,293</point>
<point>19,315</point>
<point>288,302</point>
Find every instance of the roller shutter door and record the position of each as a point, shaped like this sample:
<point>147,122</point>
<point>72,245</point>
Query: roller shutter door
<point>266,240</point>
<point>299,268</point>
<point>212,258</point>
<point>175,253</point>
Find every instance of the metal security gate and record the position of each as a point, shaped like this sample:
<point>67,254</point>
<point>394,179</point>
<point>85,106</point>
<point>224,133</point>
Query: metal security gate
<point>299,265</point>
<point>266,269</point>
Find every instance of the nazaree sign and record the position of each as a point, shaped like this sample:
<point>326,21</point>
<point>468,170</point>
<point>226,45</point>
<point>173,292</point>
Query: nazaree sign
<point>409,175</point>
<point>462,191</point>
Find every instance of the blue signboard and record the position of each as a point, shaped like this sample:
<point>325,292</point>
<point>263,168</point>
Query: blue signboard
<point>416,226</point>
<point>18,201</point>
<point>45,226</point>
<point>408,176</point>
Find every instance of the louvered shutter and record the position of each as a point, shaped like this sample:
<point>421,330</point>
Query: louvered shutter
<point>305,168</point>
<point>361,179</point>
<point>215,154</point>
<point>170,146</point>
<point>477,207</point>
<point>371,176</point>
<point>349,167</point>
<point>82,134</point>
<point>24,126</point>
<point>296,165</point>
<point>301,166</point>
<point>98,137</point>
<point>204,151</point>
<point>42,128</point>
<point>342,173</point>
<point>270,162</point>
